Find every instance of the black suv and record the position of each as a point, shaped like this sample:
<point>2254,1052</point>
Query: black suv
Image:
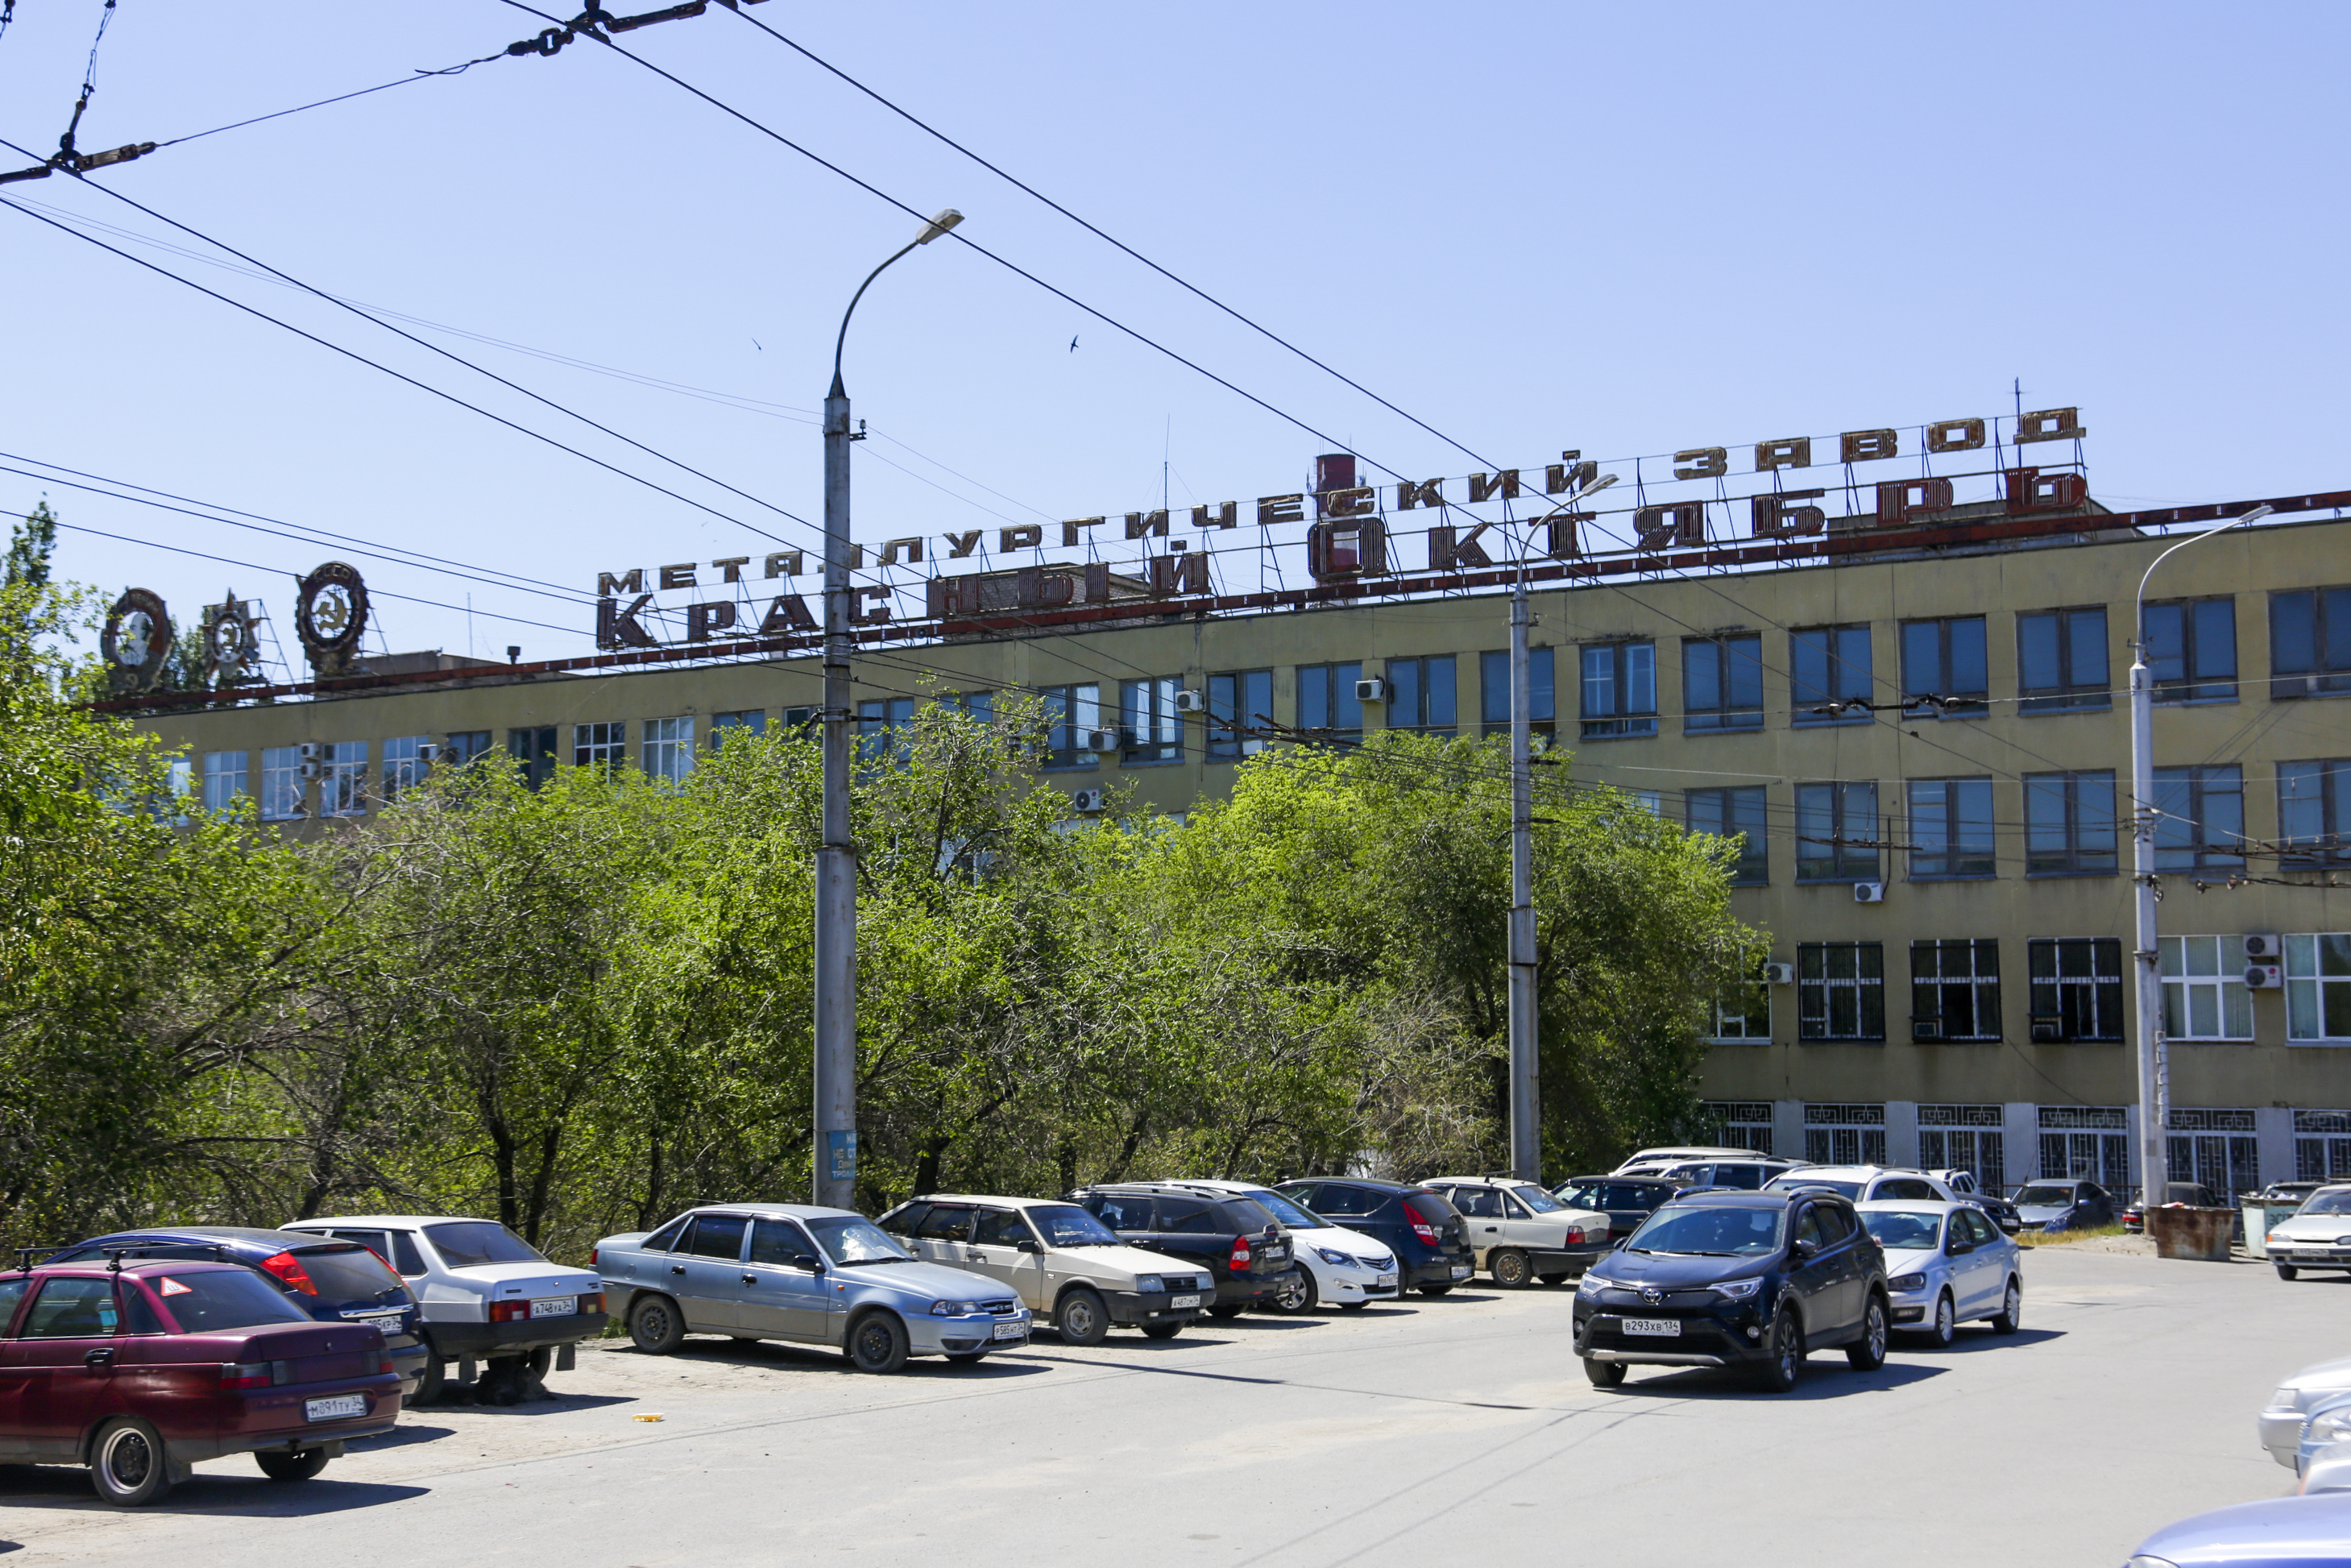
<point>1736,1278</point>
<point>1625,1200</point>
<point>1423,1231</point>
<point>1236,1239</point>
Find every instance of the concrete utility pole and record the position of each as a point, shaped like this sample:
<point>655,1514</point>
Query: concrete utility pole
<point>2154,1080</point>
<point>835,1184</point>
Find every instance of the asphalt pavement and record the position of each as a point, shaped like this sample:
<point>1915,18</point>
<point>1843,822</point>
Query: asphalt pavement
<point>1418,1433</point>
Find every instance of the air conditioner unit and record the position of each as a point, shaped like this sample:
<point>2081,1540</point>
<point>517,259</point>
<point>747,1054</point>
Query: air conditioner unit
<point>1926,1029</point>
<point>309,770</point>
<point>1373,690</point>
<point>310,751</point>
<point>1869,893</point>
<point>2045,1029</point>
<point>1087,801</point>
<point>1101,741</point>
<point>2264,977</point>
<point>2263,947</point>
<point>1779,974</point>
<point>1190,702</point>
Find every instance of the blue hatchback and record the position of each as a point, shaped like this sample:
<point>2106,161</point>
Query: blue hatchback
<point>2283,1533</point>
<point>333,1282</point>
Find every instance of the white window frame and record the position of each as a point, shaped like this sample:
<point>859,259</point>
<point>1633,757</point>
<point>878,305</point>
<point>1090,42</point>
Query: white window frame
<point>2200,977</point>
<point>342,778</point>
<point>224,778</point>
<point>600,744</point>
<point>281,784</point>
<point>665,747</point>
<point>404,764</point>
<point>2306,985</point>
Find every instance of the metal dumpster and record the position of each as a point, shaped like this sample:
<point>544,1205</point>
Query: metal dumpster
<point>2201,1234</point>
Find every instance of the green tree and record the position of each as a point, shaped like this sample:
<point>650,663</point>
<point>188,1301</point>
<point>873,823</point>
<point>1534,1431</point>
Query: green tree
<point>30,544</point>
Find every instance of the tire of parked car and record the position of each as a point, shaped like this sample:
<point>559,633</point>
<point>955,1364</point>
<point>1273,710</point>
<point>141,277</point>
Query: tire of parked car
<point>877,1342</point>
<point>1435,1290</point>
<point>1946,1327</point>
<point>1508,1266</point>
<point>1867,1353</point>
<point>1777,1374</point>
<point>298,1467</point>
<point>1603,1374</point>
<point>1226,1309</point>
<point>2287,1271</point>
<point>2011,1308</point>
<point>1080,1317</point>
<point>1162,1331</point>
<point>127,1463</point>
<point>1296,1298</point>
<point>654,1325</point>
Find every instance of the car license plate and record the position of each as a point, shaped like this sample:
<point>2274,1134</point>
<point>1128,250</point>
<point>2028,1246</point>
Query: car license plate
<point>335,1407</point>
<point>1669,1328</point>
<point>556,1307</point>
<point>1462,1270</point>
<point>1387,1282</point>
<point>1183,1300</point>
<point>1012,1331</point>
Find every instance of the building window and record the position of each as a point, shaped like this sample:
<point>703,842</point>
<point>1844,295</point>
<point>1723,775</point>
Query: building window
<point>1840,991</point>
<point>1494,691</point>
<point>1620,689</point>
<point>224,778</point>
<point>1421,694</point>
<point>1743,1013</point>
<point>1071,714</point>
<point>2318,986</point>
<point>1149,728</point>
<point>879,719</point>
<point>2310,810</point>
<point>804,721</point>
<point>1328,708</point>
<point>534,750</point>
<point>2061,659</point>
<point>2069,824</point>
<point>464,744</point>
<point>747,721</point>
<point>1741,1124</point>
<point>342,778</point>
<point>978,706</point>
<point>665,749</point>
<point>599,745</point>
<point>1830,678</point>
<point>1836,832</point>
<point>2216,1148</point>
<point>2204,994</point>
<point>1965,1138</point>
<point>2199,818</point>
<point>281,783</point>
<point>1722,684</point>
<point>2322,1144</point>
<point>1945,671</point>
<point>2084,1143</point>
<point>1950,827</point>
<point>404,764</point>
<point>1845,1135</point>
<point>1240,707</point>
<point>2310,642</point>
<point>2192,649</point>
<point>2077,988</point>
<point>1955,989</point>
<point>1734,813</point>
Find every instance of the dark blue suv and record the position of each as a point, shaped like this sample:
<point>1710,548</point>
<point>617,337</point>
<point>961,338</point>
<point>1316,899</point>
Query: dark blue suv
<point>1431,1245</point>
<point>1722,1278</point>
<point>333,1282</point>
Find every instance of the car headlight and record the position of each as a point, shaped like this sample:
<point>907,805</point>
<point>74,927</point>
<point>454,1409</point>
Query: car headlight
<point>1150,1284</point>
<point>1337,1260</point>
<point>954,1309</point>
<point>2332,1427</point>
<point>1591,1285</point>
<point>1902,1284</point>
<point>1737,1290</point>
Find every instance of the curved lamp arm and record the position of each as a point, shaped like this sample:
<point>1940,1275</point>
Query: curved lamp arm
<point>946,220</point>
<point>2138,616</point>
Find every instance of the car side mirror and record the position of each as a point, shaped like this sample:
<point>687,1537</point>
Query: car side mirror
<point>1959,1248</point>
<point>1807,1247</point>
<point>1026,1244</point>
<point>804,1261</point>
<point>1618,1245</point>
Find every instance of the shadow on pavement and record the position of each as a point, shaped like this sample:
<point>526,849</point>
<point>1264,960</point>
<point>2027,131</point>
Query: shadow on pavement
<point>1822,1379</point>
<point>68,1487</point>
<point>1974,1340</point>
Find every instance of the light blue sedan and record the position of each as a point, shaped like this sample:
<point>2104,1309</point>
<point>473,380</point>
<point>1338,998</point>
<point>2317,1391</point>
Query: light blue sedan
<point>806,1276</point>
<point>1947,1264</point>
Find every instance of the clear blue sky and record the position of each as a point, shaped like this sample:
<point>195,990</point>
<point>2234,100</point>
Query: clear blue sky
<point>1623,229</point>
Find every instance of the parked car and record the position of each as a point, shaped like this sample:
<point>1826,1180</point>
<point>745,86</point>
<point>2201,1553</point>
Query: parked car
<point>2282,1532</point>
<point>489,1297</point>
<point>332,1282</point>
<point>1346,1267</point>
<point>820,1277</point>
<point>2323,1457</point>
<point>1865,1184</point>
<point>1747,1173</point>
<point>1626,1200</point>
<point>1650,1162</point>
<point>2281,1420</point>
<point>1736,1279</point>
<point>1946,1264</point>
<point>2194,1194</point>
<point>1063,1262</point>
<point>1964,1186</point>
<point>1237,1239</point>
<point>142,1369</point>
<point>2064,1205</point>
<point>2317,1235</point>
<point>1426,1233</point>
<point>1519,1233</point>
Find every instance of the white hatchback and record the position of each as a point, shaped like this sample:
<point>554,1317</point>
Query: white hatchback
<point>2316,1236</point>
<point>1338,1267</point>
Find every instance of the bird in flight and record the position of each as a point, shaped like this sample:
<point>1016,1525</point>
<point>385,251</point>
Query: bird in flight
<point>1073,345</point>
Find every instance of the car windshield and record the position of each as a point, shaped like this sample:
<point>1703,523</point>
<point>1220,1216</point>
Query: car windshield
<point>1067,1225</point>
<point>1791,1182</point>
<point>2046,1197</point>
<point>1711,1232</point>
<point>1903,1229</point>
<point>469,1243</point>
<point>1289,1212</point>
<point>2336,1202</point>
<point>848,1239</point>
<point>216,1298</point>
<point>1534,1197</point>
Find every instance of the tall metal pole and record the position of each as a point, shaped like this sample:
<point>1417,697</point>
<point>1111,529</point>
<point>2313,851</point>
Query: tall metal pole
<point>836,860</point>
<point>1526,1070</point>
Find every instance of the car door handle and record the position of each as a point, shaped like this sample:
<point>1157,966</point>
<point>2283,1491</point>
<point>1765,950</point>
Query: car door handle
<point>101,1356</point>
<point>1491,1228</point>
<point>678,1267</point>
<point>750,1279</point>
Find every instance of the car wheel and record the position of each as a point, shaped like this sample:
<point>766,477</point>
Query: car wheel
<point>1082,1318</point>
<point>1777,1374</point>
<point>877,1342</point>
<point>127,1463</point>
<point>1508,1267</point>
<point>1434,1290</point>
<point>1296,1298</point>
<point>1867,1353</point>
<point>433,1385</point>
<point>1162,1331</point>
<point>1603,1374</point>
<point>1226,1309</point>
<point>301,1466</point>
<point>2012,1309</point>
<point>1946,1322</point>
<point>2287,1271</point>
<point>654,1325</point>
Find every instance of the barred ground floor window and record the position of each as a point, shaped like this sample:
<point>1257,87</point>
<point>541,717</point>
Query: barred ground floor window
<point>2322,1146</point>
<point>2215,1147</point>
<point>1967,1138</point>
<point>1741,1124</point>
<point>2085,1143</point>
<point>1845,1135</point>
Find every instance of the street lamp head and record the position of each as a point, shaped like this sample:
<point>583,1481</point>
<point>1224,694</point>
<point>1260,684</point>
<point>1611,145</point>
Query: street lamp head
<point>948,217</point>
<point>2257,512</point>
<point>1596,486</point>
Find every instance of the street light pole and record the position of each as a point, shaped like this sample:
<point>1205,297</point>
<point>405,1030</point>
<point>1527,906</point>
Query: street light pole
<point>835,1171</point>
<point>2154,1078</point>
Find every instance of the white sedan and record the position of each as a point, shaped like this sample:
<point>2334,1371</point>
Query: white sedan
<point>1338,1267</point>
<point>1947,1264</point>
<point>2317,1236</point>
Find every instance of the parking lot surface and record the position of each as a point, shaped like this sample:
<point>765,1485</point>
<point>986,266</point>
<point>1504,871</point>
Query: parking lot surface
<point>1436,1427</point>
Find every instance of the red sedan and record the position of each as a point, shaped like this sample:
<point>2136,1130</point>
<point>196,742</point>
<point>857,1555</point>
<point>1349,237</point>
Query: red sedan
<point>140,1371</point>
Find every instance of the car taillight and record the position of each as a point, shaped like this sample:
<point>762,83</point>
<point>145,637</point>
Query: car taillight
<point>510,1311</point>
<point>1422,1228</point>
<point>1575,1236</point>
<point>386,1368</point>
<point>1240,1257</point>
<point>592,1253</point>
<point>245,1375</point>
<point>594,1303</point>
<point>289,1271</point>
